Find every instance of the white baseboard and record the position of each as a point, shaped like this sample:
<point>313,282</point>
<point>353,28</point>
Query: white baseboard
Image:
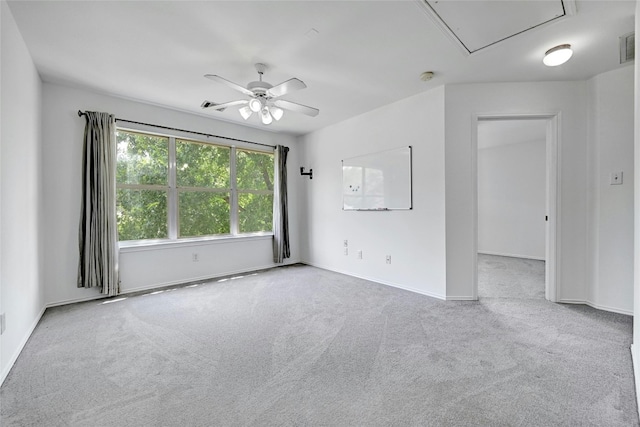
<point>461,298</point>
<point>172,283</point>
<point>512,255</point>
<point>635,358</point>
<point>76,300</point>
<point>597,306</point>
<point>382,282</point>
<point>196,279</point>
<point>611,309</point>
<point>23,342</point>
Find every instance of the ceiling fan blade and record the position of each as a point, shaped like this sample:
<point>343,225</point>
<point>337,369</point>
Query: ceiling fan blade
<point>231,84</point>
<point>286,87</point>
<point>222,107</point>
<point>298,108</point>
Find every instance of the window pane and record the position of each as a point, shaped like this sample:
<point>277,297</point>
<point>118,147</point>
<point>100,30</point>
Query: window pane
<point>141,214</point>
<point>141,158</point>
<point>203,213</point>
<point>202,165</point>
<point>254,170</point>
<point>255,212</point>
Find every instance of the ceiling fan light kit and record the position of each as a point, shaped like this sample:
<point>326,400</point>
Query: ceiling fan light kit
<point>276,112</point>
<point>245,112</point>
<point>266,116</point>
<point>264,98</point>
<point>255,105</point>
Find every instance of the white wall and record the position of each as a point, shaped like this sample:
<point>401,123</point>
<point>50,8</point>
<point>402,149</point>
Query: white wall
<point>462,102</point>
<point>611,206</point>
<point>140,268</point>
<point>21,295</point>
<point>512,199</point>
<point>415,239</point>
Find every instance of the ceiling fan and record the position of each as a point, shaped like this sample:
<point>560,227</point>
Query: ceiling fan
<point>264,98</point>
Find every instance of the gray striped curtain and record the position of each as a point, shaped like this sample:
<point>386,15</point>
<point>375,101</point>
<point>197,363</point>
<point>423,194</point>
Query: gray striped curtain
<point>98,233</point>
<point>281,248</point>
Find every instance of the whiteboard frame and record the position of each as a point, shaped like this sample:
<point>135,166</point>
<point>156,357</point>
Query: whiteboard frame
<point>410,207</point>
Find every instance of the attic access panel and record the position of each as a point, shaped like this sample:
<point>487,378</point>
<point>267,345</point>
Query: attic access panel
<point>479,24</point>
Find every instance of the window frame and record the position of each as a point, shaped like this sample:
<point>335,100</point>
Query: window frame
<point>173,190</point>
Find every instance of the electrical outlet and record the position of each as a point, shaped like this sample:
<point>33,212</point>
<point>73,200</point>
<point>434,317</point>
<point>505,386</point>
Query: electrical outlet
<point>346,251</point>
<point>195,257</point>
<point>359,254</point>
<point>388,259</point>
<point>3,323</point>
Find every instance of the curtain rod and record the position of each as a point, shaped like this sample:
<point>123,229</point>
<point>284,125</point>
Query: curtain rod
<point>82,113</point>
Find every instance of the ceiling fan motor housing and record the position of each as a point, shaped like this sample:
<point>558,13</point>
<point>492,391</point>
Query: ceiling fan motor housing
<point>259,88</point>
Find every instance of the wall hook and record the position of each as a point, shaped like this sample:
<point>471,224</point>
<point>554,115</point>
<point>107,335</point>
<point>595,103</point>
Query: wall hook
<point>303,173</point>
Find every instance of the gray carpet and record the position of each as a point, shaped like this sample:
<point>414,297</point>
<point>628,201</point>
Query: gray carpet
<point>303,346</point>
<point>508,277</point>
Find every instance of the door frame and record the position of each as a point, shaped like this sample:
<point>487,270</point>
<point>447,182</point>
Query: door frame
<point>552,153</point>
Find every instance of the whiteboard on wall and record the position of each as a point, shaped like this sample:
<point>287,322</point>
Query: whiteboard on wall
<point>378,182</point>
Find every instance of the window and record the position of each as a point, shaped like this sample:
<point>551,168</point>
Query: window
<point>172,188</point>
<point>203,182</point>
<point>254,174</point>
<point>142,186</point>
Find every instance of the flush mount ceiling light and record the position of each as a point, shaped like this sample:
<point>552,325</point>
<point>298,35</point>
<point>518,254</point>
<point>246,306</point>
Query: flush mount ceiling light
<point>557,55</point>
<point>264,98</point>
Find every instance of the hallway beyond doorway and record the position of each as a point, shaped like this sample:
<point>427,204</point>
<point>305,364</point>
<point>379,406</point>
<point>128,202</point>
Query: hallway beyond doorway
<point>507,277</point>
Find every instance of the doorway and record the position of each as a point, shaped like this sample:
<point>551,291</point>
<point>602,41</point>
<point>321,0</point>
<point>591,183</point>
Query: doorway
<point>515,206</point>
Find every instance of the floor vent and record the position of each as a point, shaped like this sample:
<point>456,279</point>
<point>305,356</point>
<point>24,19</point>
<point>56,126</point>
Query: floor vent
<point>628,47</point>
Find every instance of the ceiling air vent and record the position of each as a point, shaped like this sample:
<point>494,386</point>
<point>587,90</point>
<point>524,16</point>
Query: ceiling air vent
<point>628,47</point>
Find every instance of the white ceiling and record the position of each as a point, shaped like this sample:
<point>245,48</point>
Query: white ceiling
<point>365,54</point>
<point>479,24</point>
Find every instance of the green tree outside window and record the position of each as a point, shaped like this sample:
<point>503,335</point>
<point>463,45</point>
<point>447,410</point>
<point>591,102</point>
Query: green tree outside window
<point>201,188</point>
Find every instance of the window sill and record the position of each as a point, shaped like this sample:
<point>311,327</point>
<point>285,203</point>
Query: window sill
<point>151,245</point>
